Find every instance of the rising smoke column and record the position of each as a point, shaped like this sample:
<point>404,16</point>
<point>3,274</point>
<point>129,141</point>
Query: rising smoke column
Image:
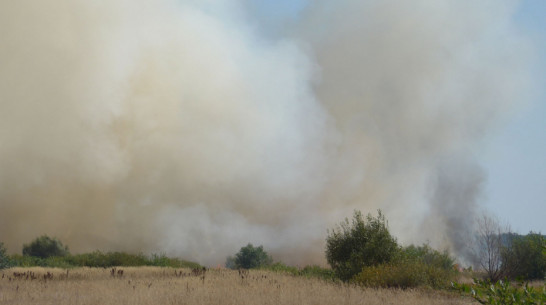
<point>413,88</point>
<point>175,126</point>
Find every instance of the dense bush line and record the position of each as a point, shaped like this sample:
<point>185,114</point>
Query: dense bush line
<point>307,271</point>
<point>524,256</point>
<point>100,259</point>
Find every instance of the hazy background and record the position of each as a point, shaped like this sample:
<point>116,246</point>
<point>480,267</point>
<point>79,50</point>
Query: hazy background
<point>194,127</point>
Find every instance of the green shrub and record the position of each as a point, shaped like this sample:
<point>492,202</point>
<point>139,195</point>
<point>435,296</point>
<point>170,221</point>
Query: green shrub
<point>110,259</point>
<point>525,257</point>
<point>503,293</point>
<point>281,268</point>
<point>428,256</point>
<point>252,257</point>
<point>92,259</point>
<point>318,272</point>
<point>161,260</point>
<point>363,242</point>
<point>18,260</point>
<point>99,259</point>
<point>44,247</point>
<point>404,274</point>
<point>55,262</point>
<point>307,271</point>
<point>4,258</point>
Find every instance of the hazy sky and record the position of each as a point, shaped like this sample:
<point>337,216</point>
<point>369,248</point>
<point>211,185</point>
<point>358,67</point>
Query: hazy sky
<point>514,154</point>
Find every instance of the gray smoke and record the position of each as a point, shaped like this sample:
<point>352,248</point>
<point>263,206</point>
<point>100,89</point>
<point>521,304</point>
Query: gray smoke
<point>174,126</point>
<point>454,205</point>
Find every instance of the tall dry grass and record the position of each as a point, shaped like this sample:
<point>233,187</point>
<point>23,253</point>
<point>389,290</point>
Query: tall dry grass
<point>154,285</point>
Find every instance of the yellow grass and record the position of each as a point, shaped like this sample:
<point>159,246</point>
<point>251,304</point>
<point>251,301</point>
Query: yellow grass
<point>154,285</point>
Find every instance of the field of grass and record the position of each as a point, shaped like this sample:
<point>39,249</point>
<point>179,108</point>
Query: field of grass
<point>155,285</point>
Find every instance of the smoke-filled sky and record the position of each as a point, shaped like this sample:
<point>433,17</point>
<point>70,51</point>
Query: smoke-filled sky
<point>194,127</point>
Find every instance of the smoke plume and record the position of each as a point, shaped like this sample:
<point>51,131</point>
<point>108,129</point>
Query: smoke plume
<point>175,126</point>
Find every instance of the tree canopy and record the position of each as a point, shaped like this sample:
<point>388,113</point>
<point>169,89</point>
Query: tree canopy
<point>362,242</point>
<point>44,247</point>
<point>251,257</point>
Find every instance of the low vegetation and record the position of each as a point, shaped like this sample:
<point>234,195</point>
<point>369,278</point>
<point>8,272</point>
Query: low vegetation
<point>311,271</point>
<point>503,293</point>
<point>100,259</point>
<point>155,285</point>
<point>4,259</point>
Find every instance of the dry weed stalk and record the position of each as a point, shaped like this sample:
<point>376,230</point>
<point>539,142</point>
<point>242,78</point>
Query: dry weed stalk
<point>154,285</point>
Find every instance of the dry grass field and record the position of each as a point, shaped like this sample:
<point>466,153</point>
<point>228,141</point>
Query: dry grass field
<point>154,285</point>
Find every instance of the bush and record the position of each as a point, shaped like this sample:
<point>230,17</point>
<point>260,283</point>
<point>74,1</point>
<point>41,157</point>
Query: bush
<point>404,274</point>
<point>352,246</point>
<point>99,259</point>
<point>4,258</point>
<point>307,271</point>
<point>110,259</point>
<point>161,260</point>
<point>250,257</point>
<point>45,247</point>
<point>282,268</point>
<point>525,257</point>
<point>428,256</point>
<point>18,260</point>
<point>318,272</point>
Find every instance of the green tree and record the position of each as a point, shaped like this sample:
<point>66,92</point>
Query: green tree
<point>252,257</point>
<point>44,247</point>
<point>363,242</point>
<point>4,258</point>
<point>525,256</point>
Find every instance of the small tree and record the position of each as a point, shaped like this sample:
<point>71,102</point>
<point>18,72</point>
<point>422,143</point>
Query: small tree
<point>250,257</point>
<point>489,246</point>
<point>4,259</point>
<point>363,242</point>
<point>44,247</point>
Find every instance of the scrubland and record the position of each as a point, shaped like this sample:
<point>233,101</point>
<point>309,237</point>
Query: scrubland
<point>155,285</point>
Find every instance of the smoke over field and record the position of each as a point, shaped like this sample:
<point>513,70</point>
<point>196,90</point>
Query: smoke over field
<point>175,126</point>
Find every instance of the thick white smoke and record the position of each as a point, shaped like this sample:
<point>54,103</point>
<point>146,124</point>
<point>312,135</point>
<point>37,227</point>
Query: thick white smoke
<point>175,126</point>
